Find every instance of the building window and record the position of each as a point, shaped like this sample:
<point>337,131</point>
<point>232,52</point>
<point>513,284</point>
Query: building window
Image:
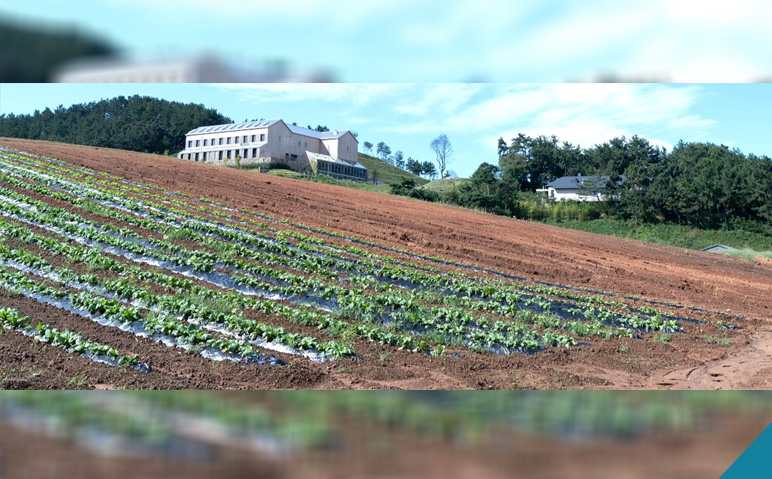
<point>244,140</point>
<point>245,153</point>
<point>293,157</point>
<point>236,139</point>
<point>306,144</point>
<point>198,143</point>
<point>196,156</point>
<point>254,152</point>
<point>205,141</point>
<point>253,138</point>
<point>204,154</point>
<point>286,156</point>
<point>262,136</point>
<point>229,154</point>
<point>220,158</point>
<point>188,155</point>
<point>190,143</point>
<point>228,140</point>
<point>220,142</point>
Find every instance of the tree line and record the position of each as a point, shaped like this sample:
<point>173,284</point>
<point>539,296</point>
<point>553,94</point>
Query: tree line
<point>136,123</point>
<point>702,185</point>
<point>440,145</point>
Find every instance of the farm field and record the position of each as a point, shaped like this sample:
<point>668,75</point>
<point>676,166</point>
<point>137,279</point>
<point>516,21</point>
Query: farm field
<point>120,269</point>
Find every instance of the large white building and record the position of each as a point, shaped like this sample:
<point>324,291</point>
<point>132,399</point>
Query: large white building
<point>332,153</point>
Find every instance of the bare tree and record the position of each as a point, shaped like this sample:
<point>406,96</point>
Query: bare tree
<point>443,150</point>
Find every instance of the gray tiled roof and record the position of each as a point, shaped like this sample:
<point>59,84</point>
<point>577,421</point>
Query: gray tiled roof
<point>718,248</point>
<point>577,182</point>
<point>232,126</point>
<point>321,135</point>
<point>246,125</point>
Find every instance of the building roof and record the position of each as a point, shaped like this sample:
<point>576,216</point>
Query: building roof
<point>577,182</point>
<point>332,159</point>
<point>320,135</point>
<point>716,248</point>
<point>248,125</point>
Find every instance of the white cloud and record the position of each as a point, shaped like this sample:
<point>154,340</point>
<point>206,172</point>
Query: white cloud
<point>584,114</point>
<point>357,94</point>
<point>445,98</point>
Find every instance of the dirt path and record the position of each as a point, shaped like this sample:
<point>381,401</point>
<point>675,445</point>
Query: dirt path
<point>748,369</point>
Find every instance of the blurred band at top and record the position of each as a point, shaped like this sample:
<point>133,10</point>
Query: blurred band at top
<point>396,41</point>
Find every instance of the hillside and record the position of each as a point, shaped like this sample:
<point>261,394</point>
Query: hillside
<point>444,185</point>
<point>611,313</point>
<point>386,172</point>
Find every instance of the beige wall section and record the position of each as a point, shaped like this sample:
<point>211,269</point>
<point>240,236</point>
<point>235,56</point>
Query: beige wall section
<point>225,135</point>
<point>344,147</point>
<point>280,145</point>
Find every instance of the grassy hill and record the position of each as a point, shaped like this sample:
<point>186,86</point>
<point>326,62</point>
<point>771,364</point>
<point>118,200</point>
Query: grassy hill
<point>444,185</point>
<point>330,181</point>
<point>386,172</point>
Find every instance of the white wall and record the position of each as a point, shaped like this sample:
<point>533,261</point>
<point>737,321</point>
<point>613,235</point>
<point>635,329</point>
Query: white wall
<point>280,145</point>
<point>572,194</point>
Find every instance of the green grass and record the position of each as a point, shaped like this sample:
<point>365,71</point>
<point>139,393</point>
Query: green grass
<point>386,172</point>
<point>749,254</point>
<point>330,181</point>
<point>724,341</point>
<point>673,235</point>
<point>444,185</point>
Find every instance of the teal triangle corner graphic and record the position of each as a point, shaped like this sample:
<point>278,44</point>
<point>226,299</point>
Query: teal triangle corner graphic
<point>754,461</point>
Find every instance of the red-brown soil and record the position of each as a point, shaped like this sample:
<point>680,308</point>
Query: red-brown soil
<point>536,251</point>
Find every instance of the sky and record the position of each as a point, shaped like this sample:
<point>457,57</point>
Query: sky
<point>473,115</point>
<point>439,41</point>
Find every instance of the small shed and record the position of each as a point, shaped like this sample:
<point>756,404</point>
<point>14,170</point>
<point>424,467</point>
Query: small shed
<point>719,248</point>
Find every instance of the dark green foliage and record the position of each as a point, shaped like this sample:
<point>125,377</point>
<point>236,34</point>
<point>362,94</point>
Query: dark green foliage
<point>136,123</point>
<point>276,165</point>
<point>483,191</point>
<point>32,55</point>
<point>414,166</point>
<point>700,185</point>
<point>428,169</point>
<point>407,188</point>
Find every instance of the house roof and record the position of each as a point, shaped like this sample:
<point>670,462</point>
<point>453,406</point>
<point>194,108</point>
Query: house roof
<point>577,182</point>
<point>718,248</point>
<point>247,125</point>
<point>332,159</point>
<point>320,135</point>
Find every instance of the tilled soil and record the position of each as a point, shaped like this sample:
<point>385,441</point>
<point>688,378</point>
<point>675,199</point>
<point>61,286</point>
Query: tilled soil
<point>539,252</point>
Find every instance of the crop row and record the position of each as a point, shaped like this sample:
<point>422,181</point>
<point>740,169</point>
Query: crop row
<point>376,297</point>
<point>70,341</point>
<point>643,323</point>
<point>496,290</point>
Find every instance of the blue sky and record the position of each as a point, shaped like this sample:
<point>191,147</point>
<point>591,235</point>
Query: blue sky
<point>440,41</point>
<point>408,116</point>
